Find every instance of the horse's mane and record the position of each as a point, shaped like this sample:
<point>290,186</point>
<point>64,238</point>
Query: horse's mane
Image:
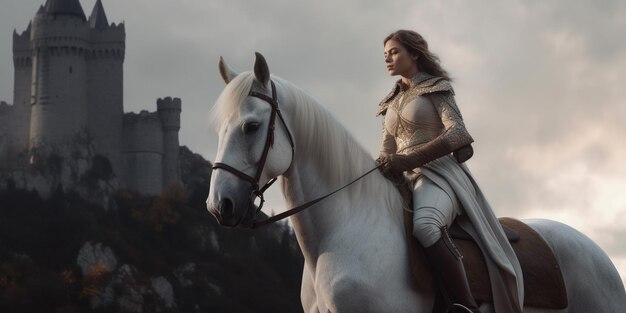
<point>319,137</point>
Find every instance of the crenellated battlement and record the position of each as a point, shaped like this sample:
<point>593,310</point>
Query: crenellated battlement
<point>169,111</point>
<point>21,42</point>
<point>143,117</point>
<point>108,42</point>
<point>169,103</point>
<point>113,33</point>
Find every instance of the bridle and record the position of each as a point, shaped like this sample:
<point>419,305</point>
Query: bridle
<point>269,141</point>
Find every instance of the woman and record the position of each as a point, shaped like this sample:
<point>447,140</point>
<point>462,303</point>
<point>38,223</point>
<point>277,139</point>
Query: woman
<point>422,128</point>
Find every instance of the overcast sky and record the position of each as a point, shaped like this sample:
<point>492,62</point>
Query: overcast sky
<point>540,83</point>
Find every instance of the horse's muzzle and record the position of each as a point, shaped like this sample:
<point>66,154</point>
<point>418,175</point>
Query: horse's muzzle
<point>224,212</point>
<point>227,215</point>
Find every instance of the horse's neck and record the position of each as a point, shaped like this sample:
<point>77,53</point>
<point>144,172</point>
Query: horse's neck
<point>322,222</point>
<point>327,158</point>
<point>309,225</point>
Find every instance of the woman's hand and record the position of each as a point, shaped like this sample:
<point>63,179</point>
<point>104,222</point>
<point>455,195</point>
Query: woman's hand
<point>394,163</point>
<point>400,163</point>
<point>382,159</point>
<point>387,170</point>
<point>383,162</point>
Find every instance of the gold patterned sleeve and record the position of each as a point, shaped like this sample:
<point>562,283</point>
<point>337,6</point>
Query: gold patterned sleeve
<point>454,136</point>
<point>455,133</point>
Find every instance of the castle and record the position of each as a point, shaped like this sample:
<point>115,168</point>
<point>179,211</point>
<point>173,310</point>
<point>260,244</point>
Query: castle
<point>67,117</point>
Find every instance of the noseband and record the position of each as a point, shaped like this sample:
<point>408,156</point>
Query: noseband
<point>269,142</point>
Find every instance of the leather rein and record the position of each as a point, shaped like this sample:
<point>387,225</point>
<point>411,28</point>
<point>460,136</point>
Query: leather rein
<point>269,142</point>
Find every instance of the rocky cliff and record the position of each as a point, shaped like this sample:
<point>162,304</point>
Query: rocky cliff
<point>143,254</point>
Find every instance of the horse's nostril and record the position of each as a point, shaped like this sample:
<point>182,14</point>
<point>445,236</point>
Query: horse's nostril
<point>226,208</point>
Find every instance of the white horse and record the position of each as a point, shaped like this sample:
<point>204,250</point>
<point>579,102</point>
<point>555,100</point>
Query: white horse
<point>354,242</point>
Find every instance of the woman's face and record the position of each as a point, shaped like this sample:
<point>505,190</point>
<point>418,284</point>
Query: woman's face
<point>399,60</point>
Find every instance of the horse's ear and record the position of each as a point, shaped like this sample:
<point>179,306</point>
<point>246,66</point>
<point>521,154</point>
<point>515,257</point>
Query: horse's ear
<point>227,73</point>
<point>261,70</point>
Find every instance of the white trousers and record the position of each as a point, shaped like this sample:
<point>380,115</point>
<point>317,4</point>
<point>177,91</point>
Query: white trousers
<point>433,208</point>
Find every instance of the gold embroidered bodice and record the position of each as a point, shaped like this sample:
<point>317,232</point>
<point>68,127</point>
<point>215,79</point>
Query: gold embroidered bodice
<point>421,114</point>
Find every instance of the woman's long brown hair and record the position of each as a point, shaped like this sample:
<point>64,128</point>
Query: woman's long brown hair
<point>415,44</point>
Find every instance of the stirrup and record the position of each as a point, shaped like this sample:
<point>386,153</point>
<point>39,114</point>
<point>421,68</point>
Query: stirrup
<point>461,307</point>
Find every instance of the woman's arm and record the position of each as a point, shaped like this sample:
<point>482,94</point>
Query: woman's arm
<point>453,137</point>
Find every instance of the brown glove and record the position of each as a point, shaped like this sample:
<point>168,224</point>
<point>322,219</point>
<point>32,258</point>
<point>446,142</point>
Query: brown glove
<point>396,177</point>
<point>400,163</point>
<point>383,163</point>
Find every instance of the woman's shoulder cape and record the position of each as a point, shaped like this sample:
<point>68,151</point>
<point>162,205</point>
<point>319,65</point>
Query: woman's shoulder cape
<point>424,84</point>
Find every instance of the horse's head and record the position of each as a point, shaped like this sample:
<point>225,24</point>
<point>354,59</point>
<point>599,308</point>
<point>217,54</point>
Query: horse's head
<point>254,147</point>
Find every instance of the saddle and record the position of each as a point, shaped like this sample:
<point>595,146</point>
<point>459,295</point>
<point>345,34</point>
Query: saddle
<point>543,281</point>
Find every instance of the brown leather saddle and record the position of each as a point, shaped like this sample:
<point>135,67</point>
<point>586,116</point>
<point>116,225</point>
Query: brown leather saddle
<point>543,281</point>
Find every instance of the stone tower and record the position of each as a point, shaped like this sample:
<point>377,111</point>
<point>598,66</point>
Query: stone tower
<point>105,86</point>
<point>169,113</point>
<point>76,86</point>
<point>60,39</point>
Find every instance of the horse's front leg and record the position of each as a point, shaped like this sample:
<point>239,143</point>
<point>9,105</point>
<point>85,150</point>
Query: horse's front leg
<point>307,292</point>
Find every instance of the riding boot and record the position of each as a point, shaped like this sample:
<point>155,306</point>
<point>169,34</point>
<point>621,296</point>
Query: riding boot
<point>445,261</point>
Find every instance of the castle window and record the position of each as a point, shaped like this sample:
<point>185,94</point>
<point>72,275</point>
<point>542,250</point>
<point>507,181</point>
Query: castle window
<point>70,70</point>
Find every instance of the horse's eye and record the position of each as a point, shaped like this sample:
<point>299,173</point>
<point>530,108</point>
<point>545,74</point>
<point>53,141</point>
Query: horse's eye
<point>250,127</point>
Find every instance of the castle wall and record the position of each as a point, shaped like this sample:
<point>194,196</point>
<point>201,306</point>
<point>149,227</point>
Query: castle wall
<point>22,63</point>
<point>142,153</point>
<point>6,122</point>
<point>169,113</point>
<point>105,85</point>
<point>59,111</point>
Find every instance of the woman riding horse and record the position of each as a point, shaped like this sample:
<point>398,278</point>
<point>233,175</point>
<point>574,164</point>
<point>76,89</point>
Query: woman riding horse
<point>422,128</point>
